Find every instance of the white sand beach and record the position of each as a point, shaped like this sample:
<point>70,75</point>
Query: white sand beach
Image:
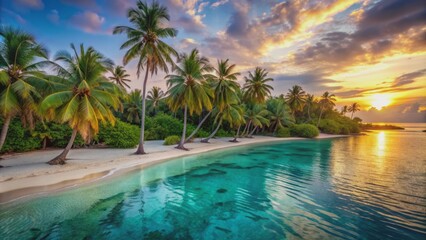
<point>27,173</point>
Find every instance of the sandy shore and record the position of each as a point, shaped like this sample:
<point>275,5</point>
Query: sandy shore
<point>27,173</point>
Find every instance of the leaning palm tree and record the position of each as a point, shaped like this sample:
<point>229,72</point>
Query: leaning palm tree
<point>256,89</point>
<point>188,88</point>
<point>225,91</point>
<point>120,76</point>
<point>145,44</point>
<point>155,95</point>
<point>85,99</point>
<point>326,101</point>
<point>279,113</point>
<point>296,99</point>
<point>22,84</point>
<point>132,107</point>
<point>354,107</point>
<point>256,116</point>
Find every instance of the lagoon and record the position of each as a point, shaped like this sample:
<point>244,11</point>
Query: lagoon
<point>364,187</point>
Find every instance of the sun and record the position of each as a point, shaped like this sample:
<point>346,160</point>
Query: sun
<point>379,101</point>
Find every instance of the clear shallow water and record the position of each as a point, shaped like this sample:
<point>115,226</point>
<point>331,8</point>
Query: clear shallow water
<point>367,187</point>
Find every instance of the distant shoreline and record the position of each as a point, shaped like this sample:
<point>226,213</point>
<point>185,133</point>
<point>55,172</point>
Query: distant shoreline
<point>370,126</point>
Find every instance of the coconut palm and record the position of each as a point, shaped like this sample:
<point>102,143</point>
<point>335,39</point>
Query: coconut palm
<point>296,99</point>
<point>326,101</point>
<point>225,89</point>
<point>256,89</point>
<point>256,116</point>
<point>309,103</point>
<point>133,106</point>
<point>188,88</point>
<point>353,108</point>
<point>120,76</point>
<point>22,84</point>
<point>155,95</point>
<point>144,43</point>
<point>86,98</point>
<point>279,114</point>
<point>344,110</point>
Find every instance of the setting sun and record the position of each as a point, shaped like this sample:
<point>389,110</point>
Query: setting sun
<point>380,100</point>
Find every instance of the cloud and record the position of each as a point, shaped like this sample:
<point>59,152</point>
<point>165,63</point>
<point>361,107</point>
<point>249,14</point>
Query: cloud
<point>411,112</point>
<point>408,78</point>
<point>312,82</point>
<point>89,22</point>
<point>186,15</point>
<point>120,7</point>
<point>31,4</point>
<point>219,3</point>
<point>53,16</point>
<point>397,85</point>
<point>381,31</point>
<point>91,4</point>
<point>18,18</point>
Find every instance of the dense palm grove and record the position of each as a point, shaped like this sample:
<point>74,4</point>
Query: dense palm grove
<point>86,102</point>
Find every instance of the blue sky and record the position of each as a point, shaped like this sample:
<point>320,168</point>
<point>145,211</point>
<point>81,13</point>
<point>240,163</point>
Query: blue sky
<point>368,51</point>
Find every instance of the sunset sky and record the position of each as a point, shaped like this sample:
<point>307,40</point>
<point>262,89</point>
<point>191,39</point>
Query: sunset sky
<point>372,52</point>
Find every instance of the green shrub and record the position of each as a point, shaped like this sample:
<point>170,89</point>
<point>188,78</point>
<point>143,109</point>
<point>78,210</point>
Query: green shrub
<point>121,135</point>
<point>60,134</point>
<point>223,133</point>
<point>19,139</point>
<point>171,140</point>
<point>329,126</point>
<point>283,132</point>
<point>161,126</point>
<point>304,130</point>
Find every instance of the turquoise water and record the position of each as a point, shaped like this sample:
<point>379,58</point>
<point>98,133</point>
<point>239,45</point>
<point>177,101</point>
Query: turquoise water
<point>366,187</point>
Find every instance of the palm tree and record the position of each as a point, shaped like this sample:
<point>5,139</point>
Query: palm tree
<point>133,106</point>
<point>22,84</point>
<point>86,98</point>
<point>144,43</point>
<point>309,103</point>
<point>326,101</point>
<point>354,107</point>
<point>155,95</point>
<point>296,99</point>
<point>344,110</point>
<point>225,88</point>
<point>119,76</point>
<point>256,89</point>
<point>256,116</point>
<point>278,113</point>
<point>188,89</point>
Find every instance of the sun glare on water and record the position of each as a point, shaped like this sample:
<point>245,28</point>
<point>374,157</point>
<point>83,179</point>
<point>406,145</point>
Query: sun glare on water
<point>380,100</point>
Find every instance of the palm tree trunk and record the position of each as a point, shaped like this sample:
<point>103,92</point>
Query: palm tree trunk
<point>141,149</point>
<point>236,135</point>
<point>352,116</point>
<point>44,143</point>
<point>182,139</point>
<point>309,113</point>
<point>244,130</point>
<point>251,133</point>
<point>247,129</point>
<point>198,127</point>
<point>4,130</point>
<point>206,140</point>
<point>60,159</point>
<point>319,118</point>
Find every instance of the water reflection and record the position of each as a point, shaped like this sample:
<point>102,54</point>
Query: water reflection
<point>381,144</point>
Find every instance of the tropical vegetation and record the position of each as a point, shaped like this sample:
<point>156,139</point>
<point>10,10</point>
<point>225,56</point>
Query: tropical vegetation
<point>82,98</point>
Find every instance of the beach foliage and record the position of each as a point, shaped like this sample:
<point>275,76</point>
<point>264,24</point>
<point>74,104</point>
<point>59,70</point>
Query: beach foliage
<point>304,130</point>
<point>119,135</point>
<point>172,140</point>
